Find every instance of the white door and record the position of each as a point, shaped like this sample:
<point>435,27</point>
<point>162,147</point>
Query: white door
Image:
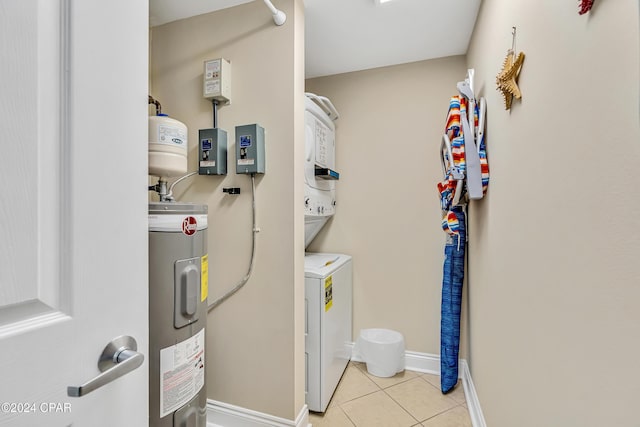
<point>73,208</point>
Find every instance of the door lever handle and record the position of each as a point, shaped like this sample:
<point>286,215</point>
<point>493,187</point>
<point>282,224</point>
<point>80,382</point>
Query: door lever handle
<point>118,358</point>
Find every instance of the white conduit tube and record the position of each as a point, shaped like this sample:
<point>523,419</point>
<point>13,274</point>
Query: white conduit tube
<point>279,16</point>
<point>246,277</point>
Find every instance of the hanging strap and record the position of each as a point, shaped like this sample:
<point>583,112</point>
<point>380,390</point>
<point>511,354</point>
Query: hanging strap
<point>474,171</point>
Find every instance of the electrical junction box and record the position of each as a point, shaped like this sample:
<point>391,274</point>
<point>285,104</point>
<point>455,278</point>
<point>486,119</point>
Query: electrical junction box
<point>250,149</point>
<point>217,80</point>
<point>212,153</point>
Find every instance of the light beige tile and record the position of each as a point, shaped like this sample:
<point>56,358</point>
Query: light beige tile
<point>332,402</point>
<point>333,417</point>
<point>354,384</point>
<point>456,394</point>
<point>432,379</point>
<point>420,399</point>
<point>377,410</point>
<point>389,381</point>
<point>360,365</point>
<point>456,417</point>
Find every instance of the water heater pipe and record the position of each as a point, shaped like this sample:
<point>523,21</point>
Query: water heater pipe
<point>279,16</point>
<point>157,104</point>
<point>169,197</point>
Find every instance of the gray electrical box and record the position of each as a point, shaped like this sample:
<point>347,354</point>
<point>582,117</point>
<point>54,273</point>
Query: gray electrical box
<point>212,157</point>
<point>250,149</point>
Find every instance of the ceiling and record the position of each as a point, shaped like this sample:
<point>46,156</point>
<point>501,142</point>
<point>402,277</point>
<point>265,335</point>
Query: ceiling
<point>352,35</point>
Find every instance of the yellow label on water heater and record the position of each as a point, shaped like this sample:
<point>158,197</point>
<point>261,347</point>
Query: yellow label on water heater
<point>204,277</point>
<point>328,293</point>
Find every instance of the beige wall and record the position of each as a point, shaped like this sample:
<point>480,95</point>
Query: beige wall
<point>388,213</point>
<point>255,340</point>
<point>555,274</point>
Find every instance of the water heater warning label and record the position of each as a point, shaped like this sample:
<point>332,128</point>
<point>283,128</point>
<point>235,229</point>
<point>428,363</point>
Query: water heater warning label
<point>328,293</point>
<point>181,373</point>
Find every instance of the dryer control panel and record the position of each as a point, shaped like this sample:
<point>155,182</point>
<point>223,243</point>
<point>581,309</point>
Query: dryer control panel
<point>319,205</point>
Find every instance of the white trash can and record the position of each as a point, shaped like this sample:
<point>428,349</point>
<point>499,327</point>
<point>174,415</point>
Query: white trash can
<point>382,350</point>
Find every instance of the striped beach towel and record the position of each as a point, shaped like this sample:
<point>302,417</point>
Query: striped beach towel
<point>454,132</point>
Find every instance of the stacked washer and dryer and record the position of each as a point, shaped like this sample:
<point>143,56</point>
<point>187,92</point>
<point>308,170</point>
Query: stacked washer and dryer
<point>328,276</point>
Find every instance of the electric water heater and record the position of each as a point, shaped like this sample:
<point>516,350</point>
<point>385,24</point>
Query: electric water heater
<point>178,288</point>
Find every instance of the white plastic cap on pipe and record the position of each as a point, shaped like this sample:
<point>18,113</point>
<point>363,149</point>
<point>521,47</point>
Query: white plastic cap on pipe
<point>279,16</point>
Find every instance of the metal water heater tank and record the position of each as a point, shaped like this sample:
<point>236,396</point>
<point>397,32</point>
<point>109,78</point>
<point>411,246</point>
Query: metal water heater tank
<point>178,288</point>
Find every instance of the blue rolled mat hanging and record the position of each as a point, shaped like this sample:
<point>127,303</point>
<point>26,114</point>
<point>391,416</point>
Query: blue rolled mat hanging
<point>452,280</point>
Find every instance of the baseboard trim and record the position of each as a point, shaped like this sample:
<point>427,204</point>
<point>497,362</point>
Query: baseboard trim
<point>220,414</point>
<point>473,404</point>
<point>419,362</point>
<point>413,361</point>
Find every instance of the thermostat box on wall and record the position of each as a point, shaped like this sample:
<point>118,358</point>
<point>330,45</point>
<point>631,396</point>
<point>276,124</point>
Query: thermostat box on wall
<point>217,80</point>
<point>250,149</point>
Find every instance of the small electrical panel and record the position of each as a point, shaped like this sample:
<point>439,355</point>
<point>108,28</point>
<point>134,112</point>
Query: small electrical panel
<point>217,80</point>
<point>212,152</point>
<point>250,149</point>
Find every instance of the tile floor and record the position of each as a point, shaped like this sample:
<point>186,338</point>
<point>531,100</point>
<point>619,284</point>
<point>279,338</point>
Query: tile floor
<point>409,399</point>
